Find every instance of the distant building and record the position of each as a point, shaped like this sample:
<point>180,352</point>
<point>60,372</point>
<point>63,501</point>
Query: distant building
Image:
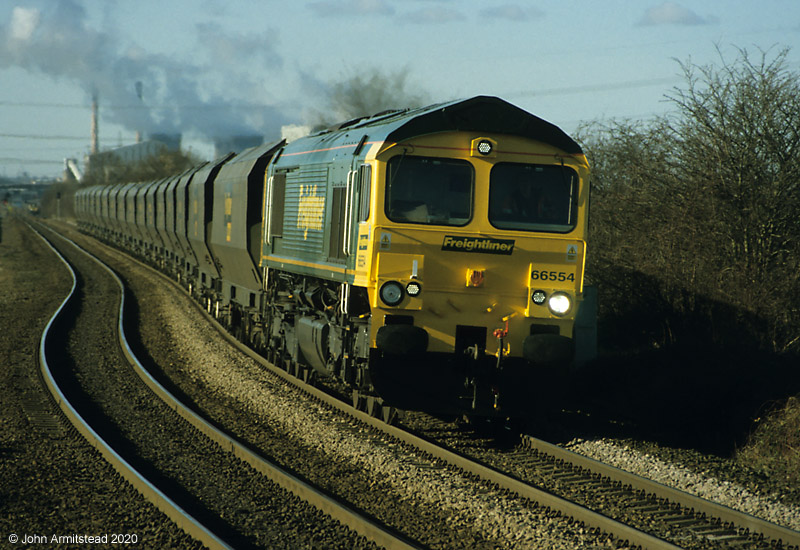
<point>72,173</point>
<point>136,153</point>
<point>172,141</point>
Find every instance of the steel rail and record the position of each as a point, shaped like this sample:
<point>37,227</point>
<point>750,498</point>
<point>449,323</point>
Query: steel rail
<point>698,504</point>
<point>345,515</point>
<point>178,515</point>
<point>544,498</point>
<point>341,512</point>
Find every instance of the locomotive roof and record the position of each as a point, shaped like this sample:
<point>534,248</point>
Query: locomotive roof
<point>479,114</point>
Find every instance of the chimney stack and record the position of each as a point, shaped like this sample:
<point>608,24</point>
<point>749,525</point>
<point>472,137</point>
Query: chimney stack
<point>94,148</point>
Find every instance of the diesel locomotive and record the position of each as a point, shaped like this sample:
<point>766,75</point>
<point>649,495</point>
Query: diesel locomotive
<point>430,259</point>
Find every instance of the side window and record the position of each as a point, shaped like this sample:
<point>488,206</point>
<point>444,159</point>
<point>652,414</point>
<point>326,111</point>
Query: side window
<point>364,186</point>
<point>337,221</point>
<point>278,199</point>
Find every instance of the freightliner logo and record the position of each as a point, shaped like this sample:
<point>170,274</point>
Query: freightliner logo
<point>483,245</point>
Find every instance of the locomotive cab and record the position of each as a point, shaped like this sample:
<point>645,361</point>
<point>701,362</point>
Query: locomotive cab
<point>477,264</point>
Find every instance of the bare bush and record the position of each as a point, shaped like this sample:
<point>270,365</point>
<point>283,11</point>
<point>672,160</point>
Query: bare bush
<point>703,205</point>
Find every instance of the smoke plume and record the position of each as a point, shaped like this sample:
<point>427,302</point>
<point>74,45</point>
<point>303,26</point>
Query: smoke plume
<point>143,91</point>
<point>368,93</point>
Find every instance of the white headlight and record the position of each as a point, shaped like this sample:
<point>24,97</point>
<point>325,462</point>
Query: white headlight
<point>559,303</point>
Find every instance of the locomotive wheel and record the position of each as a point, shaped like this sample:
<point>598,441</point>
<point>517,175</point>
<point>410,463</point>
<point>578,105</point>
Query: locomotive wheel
<point>358,401</point>
<point>373,407</point>
<point>389,414</point>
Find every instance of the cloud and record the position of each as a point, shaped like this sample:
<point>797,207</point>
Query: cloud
<point>672,13</point>
<point>23,22</point>
<point>355,8</point>
<point>512,12</point>
<point>342,8</point>
<point>435,16</point>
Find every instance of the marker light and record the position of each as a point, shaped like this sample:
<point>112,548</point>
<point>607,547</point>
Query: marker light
<point>484,147</point>
<point>413,289</point>
<point>538,297</point>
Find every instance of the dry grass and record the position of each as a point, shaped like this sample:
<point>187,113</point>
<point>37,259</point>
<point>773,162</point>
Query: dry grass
<point>774,447</point>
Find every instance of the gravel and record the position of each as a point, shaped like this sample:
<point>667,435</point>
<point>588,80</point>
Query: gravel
<point>222,492</point>
<point>722,491</point>
<point>279,413</point>
<point>436,505</point>
<point>53,483</point>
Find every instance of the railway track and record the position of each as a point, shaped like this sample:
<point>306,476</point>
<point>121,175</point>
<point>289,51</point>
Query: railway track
<point>645,511</point>
<point>362,482</point>
<point>685,526</point>
<point>196,481</point>
<point>667,506</point>
<point>644,514</point>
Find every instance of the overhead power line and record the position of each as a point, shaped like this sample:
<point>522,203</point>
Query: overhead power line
<point>63,138</point>
<point>35,104</point>
<point>30,161</point>
<point>599,87</point>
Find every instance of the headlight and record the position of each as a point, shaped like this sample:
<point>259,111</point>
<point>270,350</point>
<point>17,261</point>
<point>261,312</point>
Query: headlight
<point>538,297</point>
<point>559,303</point>
<point>392,293</point>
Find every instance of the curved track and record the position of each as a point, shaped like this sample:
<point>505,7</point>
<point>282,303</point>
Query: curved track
<point>726,528</point>
<point>578,513</point>
<point>65,402</point>
<point>362,525</point>
<point>686,515</point>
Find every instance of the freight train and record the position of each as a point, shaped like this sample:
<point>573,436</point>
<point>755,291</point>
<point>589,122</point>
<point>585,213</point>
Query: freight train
<point>429,259</point>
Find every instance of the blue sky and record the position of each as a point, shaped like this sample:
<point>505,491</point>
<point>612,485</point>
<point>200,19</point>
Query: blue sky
<point>209,67</point>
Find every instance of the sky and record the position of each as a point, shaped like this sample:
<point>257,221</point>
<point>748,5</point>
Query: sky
<point>209,68</point>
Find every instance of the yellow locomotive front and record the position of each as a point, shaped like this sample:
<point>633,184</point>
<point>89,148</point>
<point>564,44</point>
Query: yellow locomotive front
<point>473,257</point>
